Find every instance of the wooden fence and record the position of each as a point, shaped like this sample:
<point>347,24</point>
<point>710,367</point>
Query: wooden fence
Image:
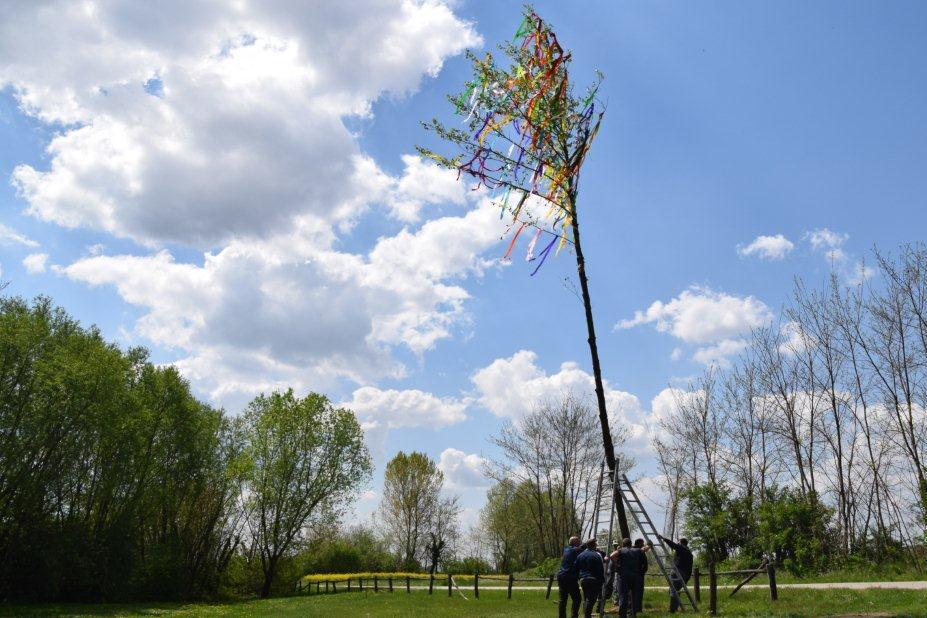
<point>390,584</point>
<point>748,574</point>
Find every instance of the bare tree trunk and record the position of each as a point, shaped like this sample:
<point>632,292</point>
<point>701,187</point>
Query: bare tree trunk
<point>596,368</point>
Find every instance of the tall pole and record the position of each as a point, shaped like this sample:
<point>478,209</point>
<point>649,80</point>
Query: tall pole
<point>597,369</point>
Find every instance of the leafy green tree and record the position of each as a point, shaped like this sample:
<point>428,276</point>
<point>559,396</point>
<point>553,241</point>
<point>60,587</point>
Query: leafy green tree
<point>115,482</point>
<point>308,459</point>
<point>411,500</point>
<point>355,550</point>
<point>793,529</point>
<point>507,522</point>
<point>718,522</point>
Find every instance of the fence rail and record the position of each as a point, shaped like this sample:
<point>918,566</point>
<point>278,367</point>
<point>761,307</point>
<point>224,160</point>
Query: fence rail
<point>380,583</point>
<point>375,583</point>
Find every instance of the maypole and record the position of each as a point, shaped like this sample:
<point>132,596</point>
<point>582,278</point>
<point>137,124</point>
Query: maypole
<point>526,139</point>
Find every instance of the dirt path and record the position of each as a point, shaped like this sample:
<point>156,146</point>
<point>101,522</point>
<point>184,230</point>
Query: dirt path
<point>909,585</point>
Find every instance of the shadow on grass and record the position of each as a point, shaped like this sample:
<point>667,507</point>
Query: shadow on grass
<point>94,610</point>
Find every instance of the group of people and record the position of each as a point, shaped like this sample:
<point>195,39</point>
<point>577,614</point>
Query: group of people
<point>585,567</point>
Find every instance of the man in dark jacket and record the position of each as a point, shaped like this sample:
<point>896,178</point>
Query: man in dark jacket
<point>568,578</point>
<point>627,561</point>
<point>639,592</point>
<point>683,563</point>
<point>591,569</point>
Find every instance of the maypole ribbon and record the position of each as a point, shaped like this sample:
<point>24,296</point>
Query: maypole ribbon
<point>543,134</point>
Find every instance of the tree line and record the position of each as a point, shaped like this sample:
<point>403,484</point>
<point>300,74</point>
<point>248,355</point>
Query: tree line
<point>116,482</point>
<point>812,446</point>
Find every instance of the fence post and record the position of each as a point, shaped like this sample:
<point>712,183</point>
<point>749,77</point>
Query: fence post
<point>511,580</point>
<point>550,584</point>
<point>476,585</point>
<point>697,578</point>
<point>326,586</point>
<point>712,589</point>
<point>376,583</point>
<point>408,590</point>
<point>390,581</point>
<point>360,584</point>
<point>449,593</point>
<point>334,586</point>
<point>773,591</point>
<point>431,582</point>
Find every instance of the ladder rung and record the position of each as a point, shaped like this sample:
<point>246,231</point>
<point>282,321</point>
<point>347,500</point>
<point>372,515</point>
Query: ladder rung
<point>609,487</point>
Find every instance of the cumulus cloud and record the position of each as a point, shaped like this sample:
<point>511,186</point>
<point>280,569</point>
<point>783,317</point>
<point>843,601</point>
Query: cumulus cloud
<point>9,236</point>
<point>714,321</point>
<point>720,353</point>
<point>511,387</point>
<point>824,238</point>
<point>222,127</point>
<point>831,244</point>
<point>35,263</point>
<point>226,122</point>
<point>828,242</point>
<point>258,314</point>
<point>392,409</point>
<point>768,247</point>
<point>421,184</point>
<point>702,315</point>
<point>462,470</point>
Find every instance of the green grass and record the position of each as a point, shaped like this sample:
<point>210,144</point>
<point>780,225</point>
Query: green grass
<point>494,604</point>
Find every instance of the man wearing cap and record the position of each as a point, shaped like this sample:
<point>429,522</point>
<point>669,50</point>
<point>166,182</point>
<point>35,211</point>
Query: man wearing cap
<point>568,578</point>
<point>591,569</point>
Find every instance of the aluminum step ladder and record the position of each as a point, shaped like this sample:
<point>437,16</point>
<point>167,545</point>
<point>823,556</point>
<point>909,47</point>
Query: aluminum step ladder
<point>603,513</point>
<point>660,552</point>
<point>602,524</point>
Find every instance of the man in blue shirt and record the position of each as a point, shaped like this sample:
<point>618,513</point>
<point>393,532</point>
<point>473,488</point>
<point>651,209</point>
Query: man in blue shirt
<point>591,569</point>
<point>568,578</point>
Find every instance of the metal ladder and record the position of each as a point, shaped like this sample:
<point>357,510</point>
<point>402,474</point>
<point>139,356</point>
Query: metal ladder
<point>604,511</point>
<point>660,551</point>
<point>603,514</point>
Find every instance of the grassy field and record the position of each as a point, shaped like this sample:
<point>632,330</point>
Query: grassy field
<point>880,603</point>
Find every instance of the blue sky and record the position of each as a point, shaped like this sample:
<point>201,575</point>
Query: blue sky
<point>277,147</point>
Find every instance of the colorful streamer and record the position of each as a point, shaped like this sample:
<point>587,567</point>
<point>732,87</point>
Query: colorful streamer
<point>542,130</point>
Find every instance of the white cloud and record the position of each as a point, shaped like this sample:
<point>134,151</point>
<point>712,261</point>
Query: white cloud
<point>262,314</point>
<point>423,183</point>
<point>824,239</point>
<point>34,263</point>
<point>768,247</point>
<point>221,126</point>
<point>831,244</point>
<point>861,273</point>
<point>462,470</point>
<point>714,321</point>
<point>720,353</point>
<point>392,409</point>
<point>511,387</point>
<point>9,236</point>
<point>244,130</point>
<point>701,315</point>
